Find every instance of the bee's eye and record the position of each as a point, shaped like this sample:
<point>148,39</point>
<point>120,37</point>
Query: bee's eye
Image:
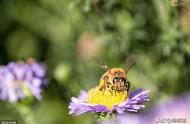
<point>116,79</point>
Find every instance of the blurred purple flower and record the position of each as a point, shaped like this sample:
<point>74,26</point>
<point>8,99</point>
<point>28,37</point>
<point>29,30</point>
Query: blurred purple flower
<point>19,80</point>
<point>127,118</point>
<point>177,109</point>
<point>81,105</point>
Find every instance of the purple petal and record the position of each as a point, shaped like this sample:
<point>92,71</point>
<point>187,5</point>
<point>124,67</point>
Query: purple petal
<point>83,96</point>
<point>16,78</point>
<point>133,103</point>
<point>79,105</point>
<point>38,69</point>
<point>136,92</point>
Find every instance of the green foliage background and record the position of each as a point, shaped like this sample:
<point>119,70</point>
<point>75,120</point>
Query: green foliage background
<point>59,32</point>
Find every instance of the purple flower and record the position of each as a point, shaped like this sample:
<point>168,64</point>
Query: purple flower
<point>107,102</point>
<point>127,118</point>
<point>174,111</point>
<point>20,80</point>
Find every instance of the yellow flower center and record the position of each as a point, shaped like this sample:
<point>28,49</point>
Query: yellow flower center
<point>106,97</point>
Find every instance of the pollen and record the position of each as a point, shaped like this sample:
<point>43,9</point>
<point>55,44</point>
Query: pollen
<point>106,97</point>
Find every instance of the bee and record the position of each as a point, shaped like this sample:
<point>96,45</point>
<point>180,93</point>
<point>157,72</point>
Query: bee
<point>115,79</point>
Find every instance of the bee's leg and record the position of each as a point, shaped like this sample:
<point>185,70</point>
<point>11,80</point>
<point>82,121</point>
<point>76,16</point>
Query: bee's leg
<point>109,87</point>
<point>111,91</point>
<point>105,83</point>
<point>101,88</point>
<point>128,85</point>
<point>104,86</point>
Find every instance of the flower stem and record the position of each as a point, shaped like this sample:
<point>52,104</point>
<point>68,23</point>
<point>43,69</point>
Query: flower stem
<point>26,114</point>
<point>105,116</point>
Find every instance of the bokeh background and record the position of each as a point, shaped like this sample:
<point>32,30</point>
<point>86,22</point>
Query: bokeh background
<point>65,34</point>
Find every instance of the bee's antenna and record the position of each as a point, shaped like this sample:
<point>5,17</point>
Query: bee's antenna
<point>101,63</point>
<point>130,62</point>
<point>129,67</point>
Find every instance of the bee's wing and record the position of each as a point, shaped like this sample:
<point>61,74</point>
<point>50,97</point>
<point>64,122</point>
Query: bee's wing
<point>130,62</point>
<point>101,63</point>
